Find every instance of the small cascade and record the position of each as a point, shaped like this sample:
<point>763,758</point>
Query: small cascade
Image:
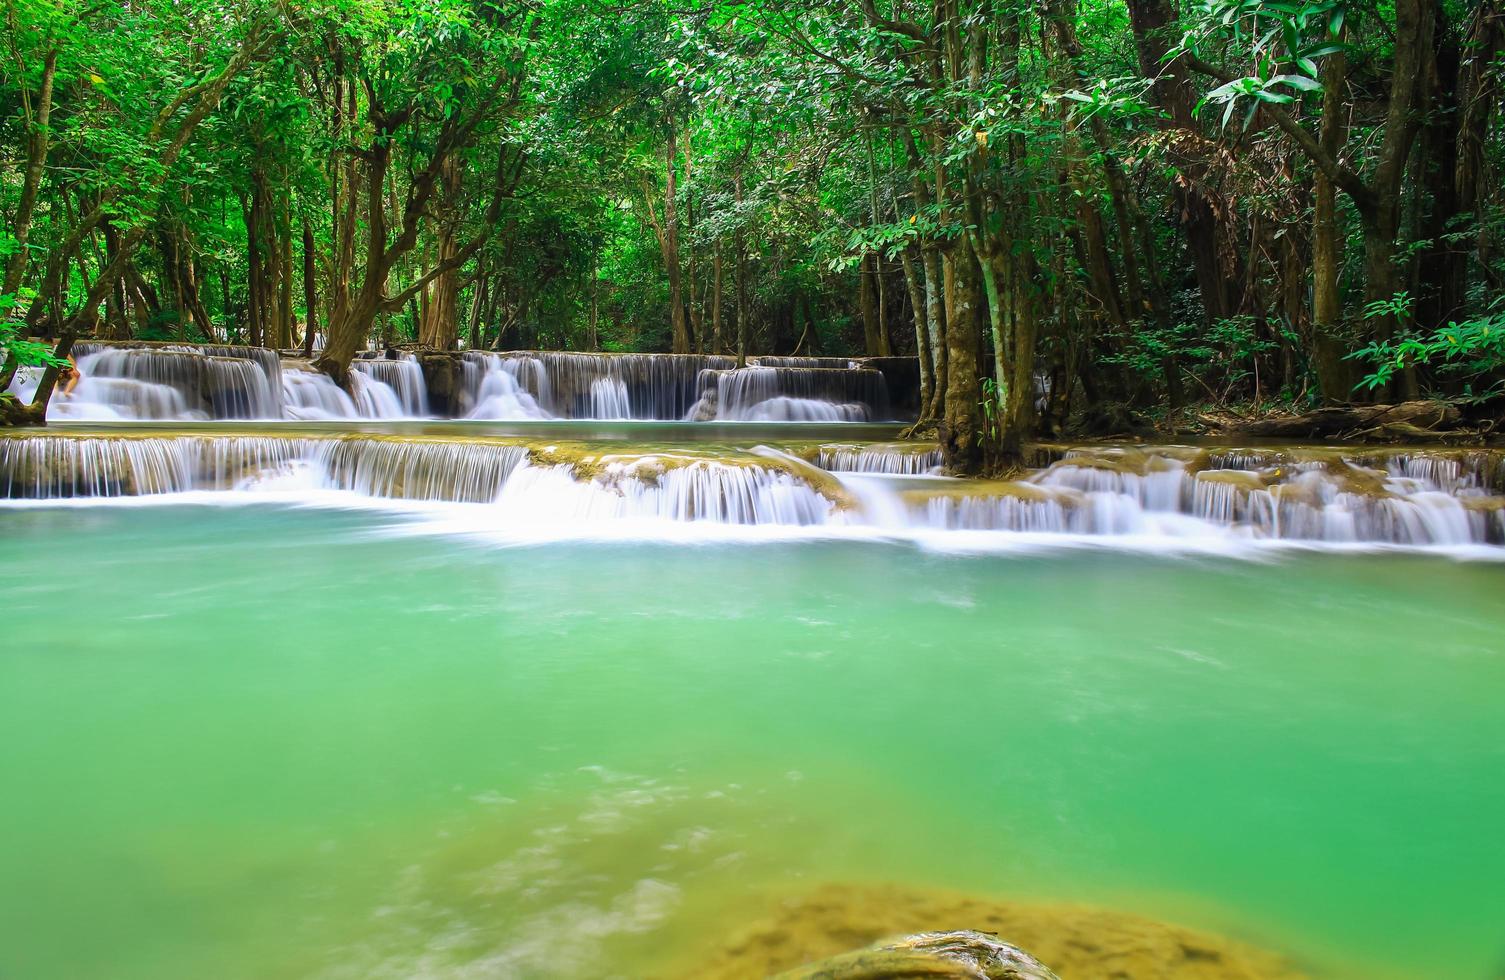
<point>313,396</point>
<point>895,458</point>
<point>497,387</point>
<point>651,488</point>
<point>374,398</point>
<point>459,472</point>
<point>572,385</point>
<point>610,400</point>
<point>792,394</point>
<point>172,382</point>
<point>402,376</point>
<point>839,363</point>
<point>1007,512</point>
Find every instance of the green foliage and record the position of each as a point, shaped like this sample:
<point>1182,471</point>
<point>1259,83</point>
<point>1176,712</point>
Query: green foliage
<point>1284,40</point>
<point>1472,350</point>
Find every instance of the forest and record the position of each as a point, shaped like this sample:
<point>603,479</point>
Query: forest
<point>1081,216</point>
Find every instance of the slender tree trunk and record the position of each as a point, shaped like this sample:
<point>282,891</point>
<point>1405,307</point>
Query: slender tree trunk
<point>922,332</point>
<point>1333,376</point>
<point>310,295</point>
<point>717,347</point>
<point>39,138</point>
<point>254,310</point>
<point>740,247</point>
<point>865,303</point>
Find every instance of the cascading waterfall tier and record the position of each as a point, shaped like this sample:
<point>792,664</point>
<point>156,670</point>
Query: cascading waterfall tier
<point>784,393</point>
<point>527,482</point>
<point>142,381</point>
<point>139,381</point>
<point>569,385</point>
<point>1406,497</point>
<point>398,390</point>
<point>550,384</point>
<point>898,458</point>
<point>1402,497</point>
<point>172,382</point>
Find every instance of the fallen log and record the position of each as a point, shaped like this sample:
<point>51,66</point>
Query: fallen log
<point>1411,418</point>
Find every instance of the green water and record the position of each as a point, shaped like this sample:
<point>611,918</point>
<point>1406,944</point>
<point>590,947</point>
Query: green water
<point>265,742</point>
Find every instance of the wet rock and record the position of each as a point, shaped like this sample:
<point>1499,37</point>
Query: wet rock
<point>443,375</point>
<point>1077,941</point>
<point>962,955</point>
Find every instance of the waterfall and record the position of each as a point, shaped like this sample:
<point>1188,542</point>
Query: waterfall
<point>313,395</point>
<point>200,382</point>
<point>374,398</point>
<point>462,472</point>
<point>803,362</point>
<point>572,385</point>
<point>23,387</point>
<point>793,394</point>
<point>1410,498</point>
<point>172,382</point>
<point>500,388</point>
<point>660,486</point>
<point>401,376</point>
<point>181,382</point>
<point>892,458</point>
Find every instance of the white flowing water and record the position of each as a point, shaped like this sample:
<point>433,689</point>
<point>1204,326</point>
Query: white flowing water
<point>179,382</point>
<point>899,458</point>
<point>173,382</point>
<point>497,388</point>
<point>572,385</point>
<point>402,377</point>
<point>569,385</point>
<point>1154,497</point>
<point>312,396</point>
<point>787,392</point>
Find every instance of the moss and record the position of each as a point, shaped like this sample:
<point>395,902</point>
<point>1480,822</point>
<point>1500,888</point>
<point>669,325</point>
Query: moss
<point>1243,479</point>
<point>1074,940</point>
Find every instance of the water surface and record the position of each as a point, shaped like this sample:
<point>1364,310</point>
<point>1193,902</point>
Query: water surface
<point>269,741</point>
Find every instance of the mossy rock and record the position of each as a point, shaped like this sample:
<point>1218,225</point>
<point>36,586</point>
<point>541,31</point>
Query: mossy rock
<point>1077,941</point>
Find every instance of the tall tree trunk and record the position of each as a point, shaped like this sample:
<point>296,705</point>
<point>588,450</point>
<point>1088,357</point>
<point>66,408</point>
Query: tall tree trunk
<point>871,345</point>
<point>922,334</point>
<point>667,231</point>
<point>1156,29</point>
<point>38,140</point>
<point>285,337</point>
<point>310,296</point>
<point>1478,96</point>
<point>740,247</point>
<point>1333,376</point>
<point>961,425</point>
<point>716,344</point>
<point>254,310</point>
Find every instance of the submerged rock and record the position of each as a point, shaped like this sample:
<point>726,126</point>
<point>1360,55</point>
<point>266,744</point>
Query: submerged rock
<point>1077,941</point>
<point>963,955</point>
